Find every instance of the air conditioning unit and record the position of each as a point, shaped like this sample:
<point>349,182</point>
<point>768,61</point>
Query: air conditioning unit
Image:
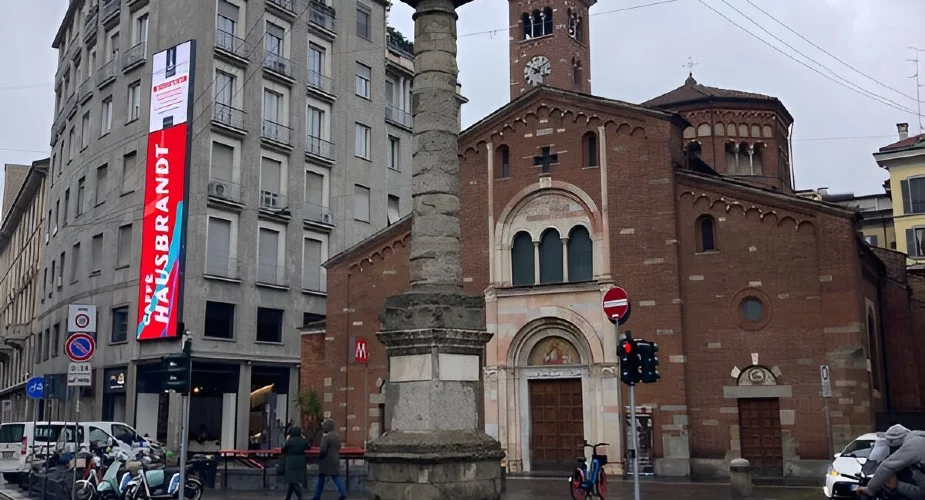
<point>218,189</point>
<point>58,281</point>
<point>327,218</point>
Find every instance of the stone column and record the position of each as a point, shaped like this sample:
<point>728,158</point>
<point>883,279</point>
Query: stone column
<point>434,334</point>
<point>536,262</point>
<point>565,259</point>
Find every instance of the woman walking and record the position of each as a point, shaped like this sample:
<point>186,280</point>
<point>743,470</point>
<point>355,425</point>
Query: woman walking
<point>293,462</point>
<point>329,461</point>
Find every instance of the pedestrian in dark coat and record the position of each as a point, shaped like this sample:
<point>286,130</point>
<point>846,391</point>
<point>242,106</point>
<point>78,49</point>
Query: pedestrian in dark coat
<point>329,461</point>
<point>293,462</point>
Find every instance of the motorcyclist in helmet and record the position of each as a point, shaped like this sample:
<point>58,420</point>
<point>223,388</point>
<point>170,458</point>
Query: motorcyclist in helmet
<point>908,450</point>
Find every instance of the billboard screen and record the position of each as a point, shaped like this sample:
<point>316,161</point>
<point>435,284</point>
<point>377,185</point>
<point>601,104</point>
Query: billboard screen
<point>163,223</point>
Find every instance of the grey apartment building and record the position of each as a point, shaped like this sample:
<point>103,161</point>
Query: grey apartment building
<point>301,147</point>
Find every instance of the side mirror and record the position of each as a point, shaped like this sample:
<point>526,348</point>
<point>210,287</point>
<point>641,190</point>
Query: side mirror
<point>837,455</point>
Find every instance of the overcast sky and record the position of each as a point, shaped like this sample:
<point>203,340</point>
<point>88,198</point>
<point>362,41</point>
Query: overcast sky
<point>636,54</point>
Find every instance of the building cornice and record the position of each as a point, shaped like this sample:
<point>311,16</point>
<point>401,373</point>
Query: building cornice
<point>27,192</point>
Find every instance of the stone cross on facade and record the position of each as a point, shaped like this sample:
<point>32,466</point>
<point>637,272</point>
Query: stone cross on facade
<point>546,159</point>
<point>434,446</point>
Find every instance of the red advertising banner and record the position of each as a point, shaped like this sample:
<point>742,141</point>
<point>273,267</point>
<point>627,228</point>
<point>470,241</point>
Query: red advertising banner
<point>161,233</point>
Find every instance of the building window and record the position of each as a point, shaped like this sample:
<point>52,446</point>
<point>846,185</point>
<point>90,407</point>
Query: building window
<point>113,48</point>
<point>81,187</point>
<point>218,248</point>
<point>71,144</point>
<point>913,193</point>
<point>915,242</point>
<point>694,151</point>
<point>394,153</point>
<point>580,255</point>
<point>270,183</point>
<point>364,75</point>
<point>538,23</point>
<point>589,148</point>
<point>871,240</point>
<point>226,24</point>
<point>363,25</point>
<point>706,234</point>
<point>124,251</point>
<point>96,254</point>
<point>873,352</point>
<point>575,28</point>
<point>224,90</point>
<point>273,40</point>
<point>311,265</point>
<point>60,282</point>
<point>523,260</point>
<point>272,107</point>
<point>141,29</point>
<point>106,115</point>
<point>362,149</point>
<point>221,166</point>
<point>316,56</point>
<point>269,325</point>
<point>268,258</point>
<point>393,209</point>
<point>504,162</point>
<point>550,257</point>
<point>219,320</point>
<point>128,172</point>
<point>361,203</point>
<point>134,101</point>
<point>102,174</point>
<point>55,349</point>
<point>85,130</point>
<point>751,310</point>
<point>119,324</point>
<point>314,188</point>
<point>577,74</point>
<point>67,206</point>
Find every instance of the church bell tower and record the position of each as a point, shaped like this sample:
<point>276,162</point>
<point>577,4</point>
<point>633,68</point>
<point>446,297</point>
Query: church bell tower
<point>550,45</point>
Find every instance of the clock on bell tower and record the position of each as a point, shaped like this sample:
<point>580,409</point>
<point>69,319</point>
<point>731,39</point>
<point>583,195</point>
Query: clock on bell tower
<point>550,45</point>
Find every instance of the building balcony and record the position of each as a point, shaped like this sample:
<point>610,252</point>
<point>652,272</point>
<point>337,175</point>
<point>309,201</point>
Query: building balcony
<point>225,192</point>
<point>272,201</point>
<point>229,117</point>
<point>230,45</point>
<point>91,24</point>
<point>319,83</point>
<point>398,117</point>
<point>314,281</point>
<point>276,133</point>
<point>134,56</point>
<point>400,47</point>
<point>322,17</point>
<point>222,267</point>
<point>278,65</point>
<point>314,214</point>
<point>319,148</point>
<point>111,10</point>
<point>70,106</point>
<point>272,275</point>
<point>85,91</point>
<point>106,74</point>
<point>285,7</point>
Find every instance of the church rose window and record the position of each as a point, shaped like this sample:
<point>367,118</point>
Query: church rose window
<point>751,310</point>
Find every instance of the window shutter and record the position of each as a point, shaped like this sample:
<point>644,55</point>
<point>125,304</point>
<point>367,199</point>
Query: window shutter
<point>911,247</point>
<point>228,10</point>
<point>222,161</point>
<point>907,197</point>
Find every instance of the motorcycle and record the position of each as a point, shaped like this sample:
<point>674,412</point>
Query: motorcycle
<point>153,484</point>
<point>110,486</point>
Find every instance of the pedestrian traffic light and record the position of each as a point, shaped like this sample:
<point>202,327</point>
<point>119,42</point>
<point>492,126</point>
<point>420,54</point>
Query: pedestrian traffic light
<point>629,360</point>
<point>648,360</point>
<point>178,369</point>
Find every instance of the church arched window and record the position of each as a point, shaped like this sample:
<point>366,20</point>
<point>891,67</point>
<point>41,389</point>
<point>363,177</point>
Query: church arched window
<point>537,17</point>
<point>589,149</point>
<point>527,21</point>
<point>580,255</point>
<point>706,234</point>
<point>547,21</point>
<point>550,257</point>
<point>523,263</point>
<point>694,150</point>
<point>504,162</point>
<point>576,71</point>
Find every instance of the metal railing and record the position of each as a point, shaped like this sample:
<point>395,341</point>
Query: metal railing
<point>230,43</point>
<point>286,5</point>
<point>319,147</point>
<point>220,189</point>
<point>222,266</point>
<point>277,64</point>
<point>321,15</point>
<point>272,200</point>
<point>271,274</point>
<point>91,23</point>
<point>318,81</point>
<point>111,8</point>
<point>106,73</point>
<point>404,48</point>
<point>313,280</point>
<point>133,56</point>
<point>85,90</point>
<point>398,116</point>
<point>228,115</point>
<point>317,214</point>
<point>276,132</point>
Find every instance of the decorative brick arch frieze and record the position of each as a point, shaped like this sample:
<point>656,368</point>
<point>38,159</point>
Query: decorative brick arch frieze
<point>508,224</point>
<point>555,321</point>
<point>710,202</point>
<point>378,254</point>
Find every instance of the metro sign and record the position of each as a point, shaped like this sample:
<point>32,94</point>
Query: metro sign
<point>360,351</point>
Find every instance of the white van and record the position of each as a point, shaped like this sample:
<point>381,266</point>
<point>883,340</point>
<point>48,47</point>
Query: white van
<point>18,438</point>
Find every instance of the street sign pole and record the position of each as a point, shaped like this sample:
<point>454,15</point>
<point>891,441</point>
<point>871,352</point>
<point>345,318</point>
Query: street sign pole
<point>826,379</point>
<point>617,308</point>
<point>184,420</point>
<point>76,429</point>
<point>635,450</point>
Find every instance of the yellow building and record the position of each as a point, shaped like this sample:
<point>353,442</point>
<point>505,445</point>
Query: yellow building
<point>876,210</point>
<point>905,161</point>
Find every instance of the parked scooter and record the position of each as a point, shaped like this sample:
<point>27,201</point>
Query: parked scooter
<point>111,487</point>
<point>153,484</point>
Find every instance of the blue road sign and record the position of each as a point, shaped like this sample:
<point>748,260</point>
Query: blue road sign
<point>35,387</point>
<point>80,347</point>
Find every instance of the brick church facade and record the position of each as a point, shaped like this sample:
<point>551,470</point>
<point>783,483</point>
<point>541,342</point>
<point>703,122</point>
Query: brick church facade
<point>687,202</point>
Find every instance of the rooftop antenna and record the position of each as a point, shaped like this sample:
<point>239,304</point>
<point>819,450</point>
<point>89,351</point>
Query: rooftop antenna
<point>918,85</point>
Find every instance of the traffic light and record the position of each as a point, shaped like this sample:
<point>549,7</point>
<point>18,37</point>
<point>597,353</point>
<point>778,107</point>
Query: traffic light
<point>629,361</point>
<point>178,369</point>
<point>648,359</point>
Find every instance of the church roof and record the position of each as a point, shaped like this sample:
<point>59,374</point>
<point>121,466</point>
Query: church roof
<point>692,91</point>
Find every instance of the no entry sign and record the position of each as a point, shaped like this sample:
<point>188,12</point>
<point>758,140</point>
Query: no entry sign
<point>617,305</point>
<point>80,347</point>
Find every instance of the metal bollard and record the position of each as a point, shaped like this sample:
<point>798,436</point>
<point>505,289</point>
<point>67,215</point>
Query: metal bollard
<point>740,479</point>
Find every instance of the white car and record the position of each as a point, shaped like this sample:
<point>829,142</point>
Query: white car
<point>847,463</point>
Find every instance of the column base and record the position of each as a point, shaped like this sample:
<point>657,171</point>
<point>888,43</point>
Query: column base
<point>463,465</point>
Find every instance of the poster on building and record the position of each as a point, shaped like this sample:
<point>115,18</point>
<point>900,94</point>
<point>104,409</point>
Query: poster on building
<point>163,223</point>
<point>645,440</point>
